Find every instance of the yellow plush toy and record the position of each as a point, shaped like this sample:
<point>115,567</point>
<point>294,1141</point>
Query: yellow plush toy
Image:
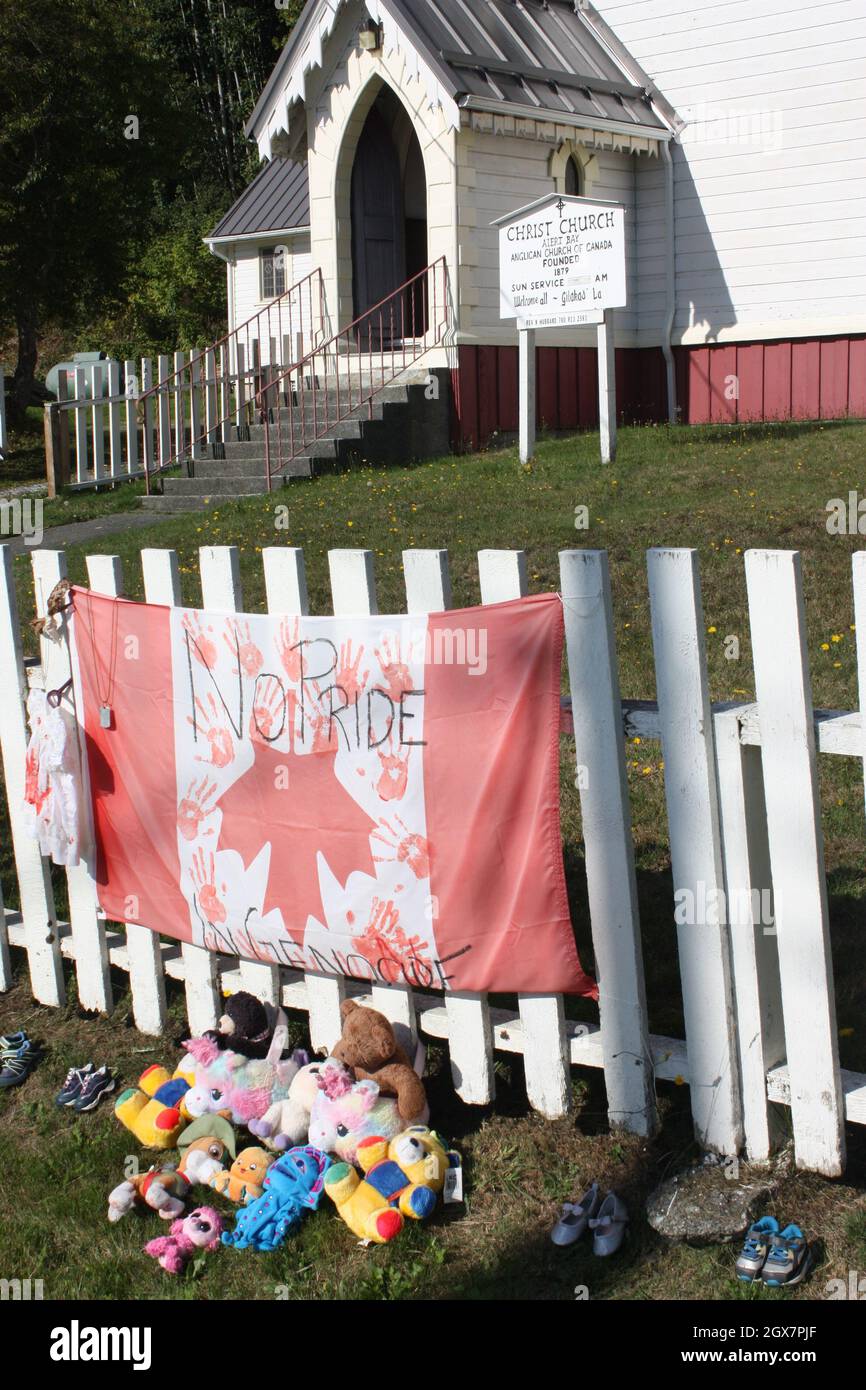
<point>154,1110</point>
<point>243,1181</point>
<point>401,1179</point>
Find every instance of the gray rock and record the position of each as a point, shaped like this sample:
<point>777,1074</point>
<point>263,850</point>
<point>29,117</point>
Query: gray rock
<point>710,1204</point>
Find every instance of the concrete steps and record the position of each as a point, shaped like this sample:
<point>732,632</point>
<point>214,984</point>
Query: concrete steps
<point>402,423</point>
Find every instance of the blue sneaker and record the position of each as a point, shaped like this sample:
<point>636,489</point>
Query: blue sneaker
<point>753,1256</point>
<point>96,1085</point>
<point>14,1042</point>
<point>15,1067</point>
<point>789,1260</point>
<point>72,1086</point>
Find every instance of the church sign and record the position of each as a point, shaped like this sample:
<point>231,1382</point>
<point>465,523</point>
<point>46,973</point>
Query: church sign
<point>561,262</point>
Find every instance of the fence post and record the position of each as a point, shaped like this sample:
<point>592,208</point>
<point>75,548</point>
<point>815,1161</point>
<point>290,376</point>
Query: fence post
<point>546,1052</point>
<point>241,392</point>
<point>200,974</point>
<point>52,423</point>
<point>131,391</point>
<point>80,426</point>
<point>353,588</point>
<point>164,368</point>
<point>777,618</point>
<point>210,395</point>
<point>146,384</point>
<point>195,362</point>
<point>179,421</point>
<point>221,593</point>
<point>5,958</point>
<point>754,958</point>
<point>470,1034</point>
<point>225,391</point>
<point>686,723</point>
<point>34,878</point>
<point>606,819</point>
<point>90,948</point>
<point>97,419</point>
<point>116,455</point>
<point>286,589</point>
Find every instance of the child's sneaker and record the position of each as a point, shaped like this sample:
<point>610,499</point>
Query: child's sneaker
<point>751,1259</point>
<point>14,1042</point>
<point>72,1086</point>
<point>789,1260</point>
<point>15,1067</point>
<point>96,1085</point>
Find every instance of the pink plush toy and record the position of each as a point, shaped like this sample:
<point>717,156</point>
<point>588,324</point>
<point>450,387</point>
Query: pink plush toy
<point>346,1111</point>
<point>201,1230</point>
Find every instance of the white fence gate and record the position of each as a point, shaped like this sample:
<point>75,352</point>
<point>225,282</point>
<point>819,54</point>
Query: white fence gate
<point>744,823</point>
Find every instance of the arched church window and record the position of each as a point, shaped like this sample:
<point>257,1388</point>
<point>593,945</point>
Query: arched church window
<point>573,179</point>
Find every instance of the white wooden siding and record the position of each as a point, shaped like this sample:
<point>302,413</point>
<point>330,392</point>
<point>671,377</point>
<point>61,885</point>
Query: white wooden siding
<point>499,173</point>
<point>770,220</point>
<point>247,276</point>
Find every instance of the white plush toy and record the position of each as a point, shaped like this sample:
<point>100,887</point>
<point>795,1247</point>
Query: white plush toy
<point>287,1122</point>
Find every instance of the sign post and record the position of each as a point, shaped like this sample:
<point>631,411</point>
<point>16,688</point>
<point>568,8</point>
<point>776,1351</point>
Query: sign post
<point>526,372</point>
<point>606,388</point>
<point>562,263</point>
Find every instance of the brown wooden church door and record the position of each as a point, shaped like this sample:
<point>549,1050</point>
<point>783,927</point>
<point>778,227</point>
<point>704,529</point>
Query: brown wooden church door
<point>378,224</point>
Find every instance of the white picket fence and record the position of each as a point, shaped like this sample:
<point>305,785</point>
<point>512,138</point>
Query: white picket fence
<point>111,434</point>
<point>743,817</point>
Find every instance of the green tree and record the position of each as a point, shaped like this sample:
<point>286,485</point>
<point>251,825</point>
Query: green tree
<point>86,132</point>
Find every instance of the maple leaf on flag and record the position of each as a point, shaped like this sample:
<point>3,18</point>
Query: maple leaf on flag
<point>296,803</point>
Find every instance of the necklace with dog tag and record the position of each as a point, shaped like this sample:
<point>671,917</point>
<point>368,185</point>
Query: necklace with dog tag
<point>105,716</point>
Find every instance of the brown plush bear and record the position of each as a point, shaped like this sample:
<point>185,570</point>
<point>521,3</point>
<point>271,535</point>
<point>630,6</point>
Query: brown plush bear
<point>369,1048</point>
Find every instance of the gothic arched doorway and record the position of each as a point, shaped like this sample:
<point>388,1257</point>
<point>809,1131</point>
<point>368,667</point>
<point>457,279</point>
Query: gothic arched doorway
<point>389,216</point>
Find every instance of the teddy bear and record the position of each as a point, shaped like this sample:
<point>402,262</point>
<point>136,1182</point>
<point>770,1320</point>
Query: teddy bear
<point>370,1050</point>
<point>287,1122</point>
<point>201,1230</point>
<point>245,1027</point>
<point>243,1181</point>
<point>346,1111</point>
<point>401,1179</point>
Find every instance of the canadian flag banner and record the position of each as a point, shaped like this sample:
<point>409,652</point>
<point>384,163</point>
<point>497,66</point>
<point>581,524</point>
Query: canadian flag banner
<point>374,797</point>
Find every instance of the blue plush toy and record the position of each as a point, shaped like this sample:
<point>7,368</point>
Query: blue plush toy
<point>293,1185</point>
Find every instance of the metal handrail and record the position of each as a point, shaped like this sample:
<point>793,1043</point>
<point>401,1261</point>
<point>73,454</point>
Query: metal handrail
<point>228,374</point>
<point>389,337</point>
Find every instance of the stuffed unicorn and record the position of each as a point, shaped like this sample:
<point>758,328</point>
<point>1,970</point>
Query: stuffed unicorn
<point>240,1088</point>
<point>346,1111</point>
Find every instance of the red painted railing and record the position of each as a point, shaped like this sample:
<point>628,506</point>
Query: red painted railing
<point>218,387</point>
<point>346,373</point>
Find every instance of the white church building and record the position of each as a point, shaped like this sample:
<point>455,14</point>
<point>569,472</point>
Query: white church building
<point>394,133</point>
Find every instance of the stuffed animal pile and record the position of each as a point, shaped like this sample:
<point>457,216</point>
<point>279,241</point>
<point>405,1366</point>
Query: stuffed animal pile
<point>314,1121</point>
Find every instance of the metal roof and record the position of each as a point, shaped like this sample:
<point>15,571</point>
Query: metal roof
<point>539,53</point>
<point>277,200</point>
<point>516,53</point>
